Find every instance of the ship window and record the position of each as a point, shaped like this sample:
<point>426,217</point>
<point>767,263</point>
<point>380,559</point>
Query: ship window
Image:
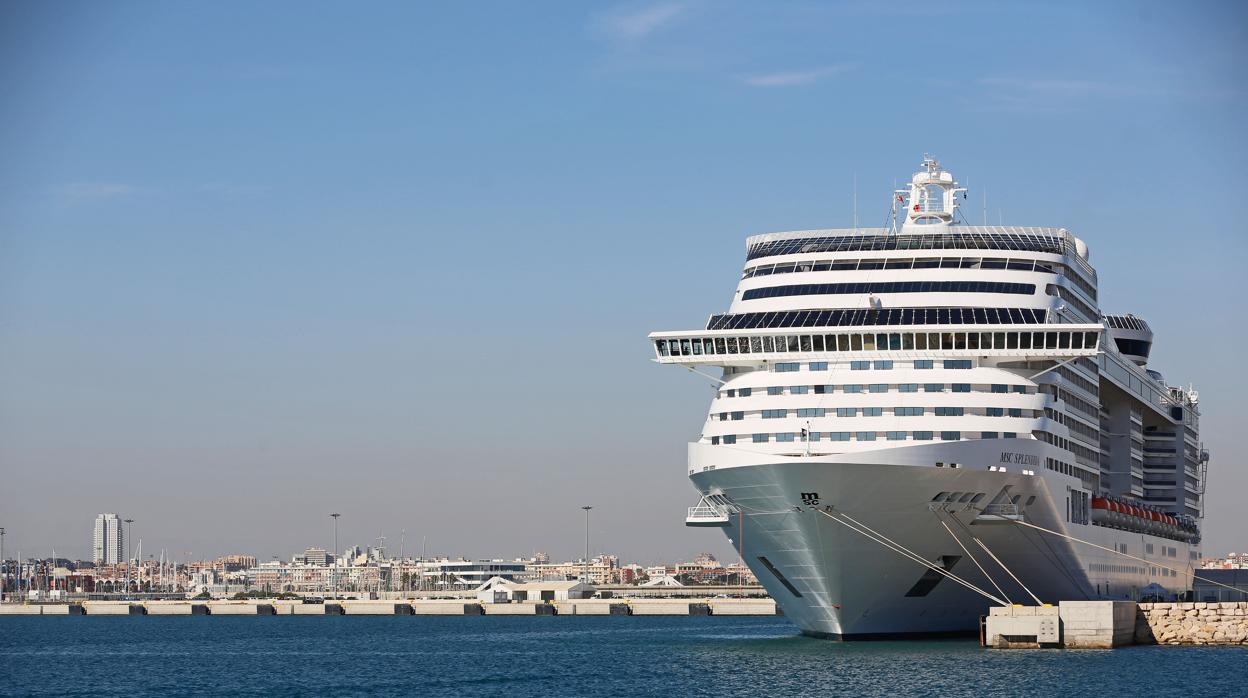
<point>1050,340</point>
<point>946,340</point>
<point>933,341</point>
<point>798,389</point>
<point>978,496</point>
<point>995,411</point>
<point>965,498</point>
<point>1076,340</point>
<point>923,363</point>
<point>760,438</point>
<point>871,411</point>
<point>775,414</point>
<point>972,340</point>
<point>922,436</point>
<point>842,342</point>
<point>817,342</point>
<point>732,345</point>
<point>894,341</point>
<point>719,346</point>
<point>950,411</point>
<point>661,345</point>
<point>684,347</point>
<point>714,440</point>
<point>960,387</point>
<point>846,411</point>
<point>730,439</point>
<point>737,416</point>
<point>878,388</point>
<point>818,365</point>
<point>823,389</point>
<point>883,365</point>
<point>933,387</point>
<point>866,436</point>
<point>950,435</point>
<point>1024,340</point>
<point>697,347</point>
<point>785,436</point>
<point>856,342</point>
<point>859,365</point>
<point>793,343</point>
<point>896,436</point>
<point>775,390</point>
<point>838,436</point>
<point>988,435</point>
<point>908,388</point>
<point>743,344</point>
<point>907,411</point>
<point>805,342</point>
<point>949,262</point>
<point>868,342</point>
<point>907,341</point>
<point>853,388</point>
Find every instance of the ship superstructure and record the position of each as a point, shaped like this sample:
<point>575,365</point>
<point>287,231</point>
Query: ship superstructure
<point>956,394</point>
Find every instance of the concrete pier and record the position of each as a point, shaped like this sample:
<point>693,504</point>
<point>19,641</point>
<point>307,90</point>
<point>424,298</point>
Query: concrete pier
<point>519,609</point>
<point>417,607</point>
<point>1109,624</point>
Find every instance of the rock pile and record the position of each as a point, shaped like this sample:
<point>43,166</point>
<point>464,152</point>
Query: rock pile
<point>1197,623</point>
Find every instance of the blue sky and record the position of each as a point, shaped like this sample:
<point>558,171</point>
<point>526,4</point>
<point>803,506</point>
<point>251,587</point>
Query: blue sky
<point>261,263</point>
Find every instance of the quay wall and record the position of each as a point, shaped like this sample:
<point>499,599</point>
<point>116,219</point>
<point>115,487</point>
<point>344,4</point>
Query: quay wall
<point>1194,623</point>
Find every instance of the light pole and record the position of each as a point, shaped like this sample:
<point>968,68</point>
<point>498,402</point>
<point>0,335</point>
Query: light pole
<point>4,566</point>
<point>129,548</point>
<point>334,578</point>
<point>586,577</point>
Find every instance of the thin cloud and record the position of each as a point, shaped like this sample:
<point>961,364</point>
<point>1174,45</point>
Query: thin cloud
<point>637,24</point>
<point>793,78</point>
<point>92,192</point>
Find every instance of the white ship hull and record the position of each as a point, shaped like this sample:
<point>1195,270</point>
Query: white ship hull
<point>833,581</point>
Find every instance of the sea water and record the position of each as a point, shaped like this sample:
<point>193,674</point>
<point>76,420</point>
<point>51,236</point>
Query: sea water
<point>135,656</point>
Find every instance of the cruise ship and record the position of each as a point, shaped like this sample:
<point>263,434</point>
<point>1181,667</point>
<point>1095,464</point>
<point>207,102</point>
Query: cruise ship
<point>916,422</point>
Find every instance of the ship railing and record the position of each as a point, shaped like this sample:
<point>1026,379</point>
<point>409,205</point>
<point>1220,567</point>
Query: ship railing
<point>706,514</point>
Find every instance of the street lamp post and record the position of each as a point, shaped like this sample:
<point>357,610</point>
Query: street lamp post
<point>129,548</point>
<point>586,577</point>
<point>4,567</point>
<point>334,578</point>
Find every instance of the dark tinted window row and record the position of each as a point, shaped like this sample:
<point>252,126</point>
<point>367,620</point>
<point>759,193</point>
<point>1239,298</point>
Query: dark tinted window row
<point>1050,244</point>
<point>890,287</point>
<point>862,317</point>
<point>1133,347</point>
<point>905,263</point>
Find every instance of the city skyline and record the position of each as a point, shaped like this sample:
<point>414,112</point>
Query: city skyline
<point>295,263</point>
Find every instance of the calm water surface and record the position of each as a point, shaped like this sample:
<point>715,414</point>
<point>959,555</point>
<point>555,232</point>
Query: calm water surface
<point>553,656</point>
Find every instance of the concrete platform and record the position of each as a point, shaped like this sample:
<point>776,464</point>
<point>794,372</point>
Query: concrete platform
<point>593,607</point>
<point>21,609</point>
<point>519,609</point>
<point>446,608</point>
<point>661,607</point>
<point>176,609</point>
<point>307,609</point>
<point>743,607</point>
<point>240,608</point>
<point>113,608</point>
<point>375,608</point>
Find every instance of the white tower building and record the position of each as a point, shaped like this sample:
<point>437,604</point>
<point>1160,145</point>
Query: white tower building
<point>109,542</point>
